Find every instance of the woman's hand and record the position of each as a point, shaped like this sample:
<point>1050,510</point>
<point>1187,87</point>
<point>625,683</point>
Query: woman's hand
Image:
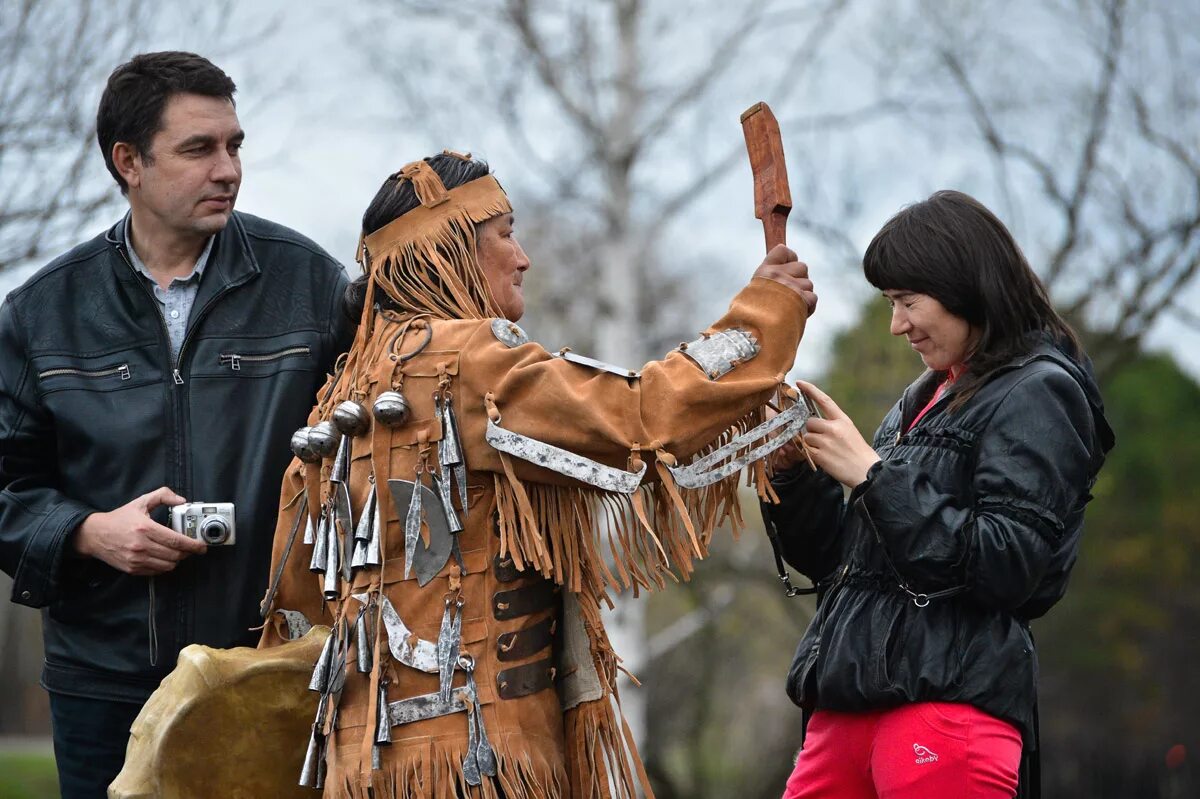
<point>834,442</point>
<point>783,266</point>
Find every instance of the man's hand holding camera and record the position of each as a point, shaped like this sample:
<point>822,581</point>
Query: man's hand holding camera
<point>129,540</point>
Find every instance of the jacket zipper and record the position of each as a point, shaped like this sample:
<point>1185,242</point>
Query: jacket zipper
<point>234,360</point>
<point>122,370</point>
<point>181,482</point>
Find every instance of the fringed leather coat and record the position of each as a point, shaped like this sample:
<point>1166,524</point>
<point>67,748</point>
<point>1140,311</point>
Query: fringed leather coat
<point>493,676</point>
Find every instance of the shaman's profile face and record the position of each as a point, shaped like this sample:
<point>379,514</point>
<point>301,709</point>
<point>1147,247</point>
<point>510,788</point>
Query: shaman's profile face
<point>504,264</point>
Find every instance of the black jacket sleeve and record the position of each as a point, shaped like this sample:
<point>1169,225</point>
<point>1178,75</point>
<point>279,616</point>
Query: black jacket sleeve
<point>808,518</point>
<point>35,518</point>
<point>1001,533</point>
<point>342,327</point>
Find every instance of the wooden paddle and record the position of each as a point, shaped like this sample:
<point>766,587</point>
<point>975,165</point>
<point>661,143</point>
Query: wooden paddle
<point>772,198</point>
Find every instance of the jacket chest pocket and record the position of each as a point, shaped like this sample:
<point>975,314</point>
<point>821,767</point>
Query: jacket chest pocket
<point>248,358</point>
<point>94,374</point>
<point>103,408</point>
<point>234,360</point>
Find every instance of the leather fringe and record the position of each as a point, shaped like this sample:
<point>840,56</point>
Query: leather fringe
<point>428,769</point>
<point>602,762</point>
<point>572,534</point>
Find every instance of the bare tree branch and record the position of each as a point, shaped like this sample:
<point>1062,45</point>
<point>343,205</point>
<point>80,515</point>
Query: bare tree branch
<point>991,133</point>
<point>519,14</point>
<point>1097,127</point>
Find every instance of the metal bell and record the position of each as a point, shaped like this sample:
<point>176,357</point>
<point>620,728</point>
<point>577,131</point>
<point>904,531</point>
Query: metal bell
<point>391,409</point>
<point>323,438</point>
<point>302,447</point>
<point>351,418</point>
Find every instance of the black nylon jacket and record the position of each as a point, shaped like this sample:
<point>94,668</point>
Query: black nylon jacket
<point>94,413</point>
<point>967,529</point>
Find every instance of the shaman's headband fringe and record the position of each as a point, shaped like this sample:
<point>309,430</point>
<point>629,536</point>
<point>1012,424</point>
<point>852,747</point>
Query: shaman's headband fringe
<point>425,261</point>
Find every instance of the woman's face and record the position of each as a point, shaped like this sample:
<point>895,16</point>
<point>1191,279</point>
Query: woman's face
<point>503,263</point>
<point>942,339</point>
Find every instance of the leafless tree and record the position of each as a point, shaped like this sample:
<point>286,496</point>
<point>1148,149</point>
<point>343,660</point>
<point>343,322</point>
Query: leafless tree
<point>1086,112</point>
<point>623,115</point>
<point>51,55</point>
<point>54,58</point>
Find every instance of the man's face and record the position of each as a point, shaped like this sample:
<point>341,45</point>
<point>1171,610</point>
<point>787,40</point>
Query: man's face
<point>503,263</point>
<point>189,180</point>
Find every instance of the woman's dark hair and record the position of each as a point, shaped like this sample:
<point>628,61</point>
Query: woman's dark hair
<point>955,250</point>
<point>396,198</point>
<point>131,108</point>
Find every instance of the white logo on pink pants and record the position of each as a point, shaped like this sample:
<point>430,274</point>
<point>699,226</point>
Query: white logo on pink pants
<point>924,754</point>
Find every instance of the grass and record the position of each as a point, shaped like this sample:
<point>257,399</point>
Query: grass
<point>28,775</point>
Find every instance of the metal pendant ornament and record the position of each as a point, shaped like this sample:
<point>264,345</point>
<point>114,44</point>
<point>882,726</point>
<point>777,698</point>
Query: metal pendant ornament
<point>320,556</point>
<point>302,447</point>
<point>391,409</point>
<point>323,439</point>
<point>364,531</point>
<point>383,721</point>
<point>508,333</point>
<point>339,480</point>
<point>332,560</point>
<point>448,645</point>
<point>362,641</point>
<point>424,506</point>
<point>351,418</point>
<point>480,760</point>
<point>452,459</point>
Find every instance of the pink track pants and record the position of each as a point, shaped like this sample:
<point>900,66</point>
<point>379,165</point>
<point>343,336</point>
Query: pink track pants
<point>925,750</point>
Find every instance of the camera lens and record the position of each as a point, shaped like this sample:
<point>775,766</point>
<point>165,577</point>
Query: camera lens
<point>214,530</point>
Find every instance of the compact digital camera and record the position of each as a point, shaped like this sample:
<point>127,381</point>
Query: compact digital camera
<point>208,522</point>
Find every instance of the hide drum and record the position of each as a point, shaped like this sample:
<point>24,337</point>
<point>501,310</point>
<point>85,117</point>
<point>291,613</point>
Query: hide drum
<point>232,723</point>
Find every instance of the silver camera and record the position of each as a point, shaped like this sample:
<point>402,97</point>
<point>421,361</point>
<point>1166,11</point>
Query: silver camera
<point>208,522</point>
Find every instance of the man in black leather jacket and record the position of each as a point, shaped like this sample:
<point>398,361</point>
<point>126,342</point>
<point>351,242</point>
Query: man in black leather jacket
<point>170,357</point>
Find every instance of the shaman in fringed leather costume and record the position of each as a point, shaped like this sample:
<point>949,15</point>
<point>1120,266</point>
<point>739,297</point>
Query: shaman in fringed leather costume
<point>464,500</point>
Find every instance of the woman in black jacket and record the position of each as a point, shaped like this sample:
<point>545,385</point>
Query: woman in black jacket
<point>918,673</point>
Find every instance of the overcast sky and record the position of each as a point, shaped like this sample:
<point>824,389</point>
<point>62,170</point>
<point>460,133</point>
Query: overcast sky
<point>319,146</point>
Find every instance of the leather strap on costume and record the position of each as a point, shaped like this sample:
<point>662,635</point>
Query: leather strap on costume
<point>524,601</point>
<point>525,680</point>
<point>526,642</point>
<point>505,569</point>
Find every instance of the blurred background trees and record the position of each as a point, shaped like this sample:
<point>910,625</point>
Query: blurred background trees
<point>614,126</point>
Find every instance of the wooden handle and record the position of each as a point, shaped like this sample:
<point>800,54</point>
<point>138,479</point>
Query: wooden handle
<point>772,197</point>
